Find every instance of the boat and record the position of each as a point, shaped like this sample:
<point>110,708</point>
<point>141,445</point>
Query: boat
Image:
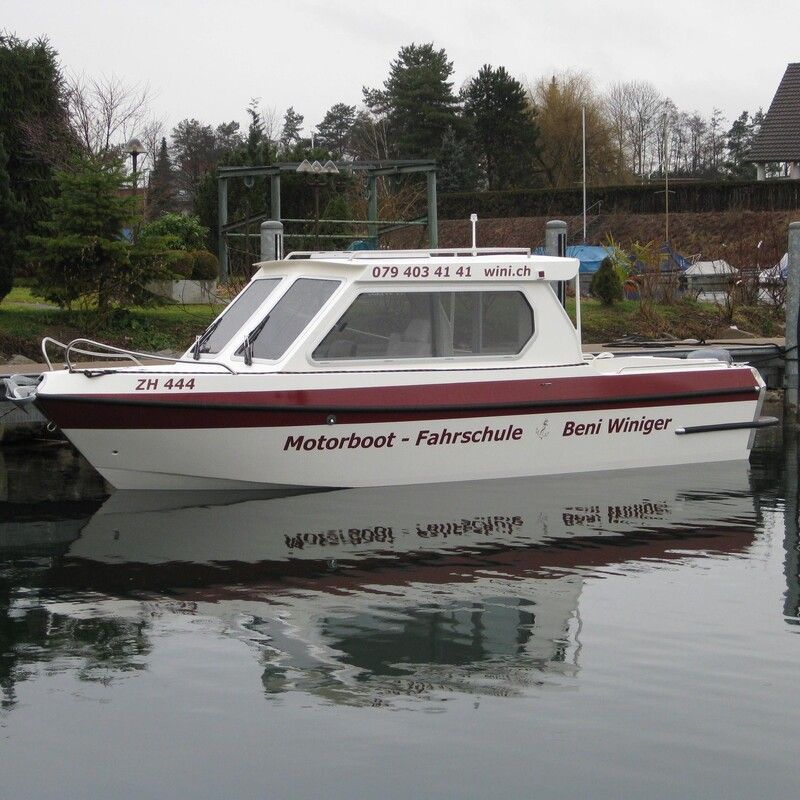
<point>370,368</point>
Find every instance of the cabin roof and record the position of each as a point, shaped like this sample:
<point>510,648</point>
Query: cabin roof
<point>484,264</point>
<point>779,137</point>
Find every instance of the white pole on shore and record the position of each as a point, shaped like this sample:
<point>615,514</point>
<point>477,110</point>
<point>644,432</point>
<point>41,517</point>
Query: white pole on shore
<point>792,309</point>
<point>583,127</point>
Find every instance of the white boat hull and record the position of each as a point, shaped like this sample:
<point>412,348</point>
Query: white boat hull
<point>531,444</point>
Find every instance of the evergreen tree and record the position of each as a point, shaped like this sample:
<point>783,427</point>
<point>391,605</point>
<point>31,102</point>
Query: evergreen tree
<point>194,153</point>
<point>227,138</point>
<point>336,208</point>
<point>418,101</point>
<point>87,255</point>
<point>504,126</point>
<point>739,141</point>
<point>606,285</point>
<point>255,131</point>
<point>34,127</point>
<point>459,168</point>
<point>333,133</point>
<point>10,214</point>
<point>161,191</point>
<point>292,125</point>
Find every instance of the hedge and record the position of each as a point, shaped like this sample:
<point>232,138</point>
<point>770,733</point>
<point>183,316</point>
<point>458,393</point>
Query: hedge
<point>773,195</point>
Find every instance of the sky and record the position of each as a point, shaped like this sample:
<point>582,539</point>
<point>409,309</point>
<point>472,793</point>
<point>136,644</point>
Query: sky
<point>206,60</point>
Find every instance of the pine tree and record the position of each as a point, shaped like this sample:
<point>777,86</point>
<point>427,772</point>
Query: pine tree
<point>458,165</point>
<point>161,191</point>
<point>505,128</point>
<point>333,133</point>
<point>739,141</point>
<point>87,255</point>
<point>418,101</point>
<point>292,125</point>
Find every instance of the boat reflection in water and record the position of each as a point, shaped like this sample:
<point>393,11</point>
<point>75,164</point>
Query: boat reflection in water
<point>362,596</point>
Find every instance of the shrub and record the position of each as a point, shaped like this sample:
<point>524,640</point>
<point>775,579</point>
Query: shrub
<point>179,231</point>
<point>605,285</point>
<point>181,263</point>
<point>205,265</point>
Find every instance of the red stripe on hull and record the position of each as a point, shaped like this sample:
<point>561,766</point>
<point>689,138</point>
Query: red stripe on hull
<point>396,403</point>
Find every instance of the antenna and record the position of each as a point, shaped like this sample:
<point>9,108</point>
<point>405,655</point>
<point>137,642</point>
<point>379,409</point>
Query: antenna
<point>473,218</point>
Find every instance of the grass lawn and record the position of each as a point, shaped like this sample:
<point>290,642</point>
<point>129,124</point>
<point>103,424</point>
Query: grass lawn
<point>25,320</point>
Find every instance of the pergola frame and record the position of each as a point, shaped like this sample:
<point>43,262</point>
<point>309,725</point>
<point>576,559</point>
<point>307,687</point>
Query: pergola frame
<point>373,170</point>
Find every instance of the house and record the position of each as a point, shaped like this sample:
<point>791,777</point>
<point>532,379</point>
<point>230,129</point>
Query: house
<point>779,137</point>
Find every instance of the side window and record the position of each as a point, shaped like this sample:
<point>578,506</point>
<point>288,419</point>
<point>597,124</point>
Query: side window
<point>289,316</point>
<point>429,325</point>
<point>224,327</point>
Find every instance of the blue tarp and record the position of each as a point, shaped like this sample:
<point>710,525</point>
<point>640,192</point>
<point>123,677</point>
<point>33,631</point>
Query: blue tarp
<point>590,256</point>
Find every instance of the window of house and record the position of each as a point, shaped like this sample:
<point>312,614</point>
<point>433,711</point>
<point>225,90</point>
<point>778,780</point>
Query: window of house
<point>430,325</point>
<point>289,317</point>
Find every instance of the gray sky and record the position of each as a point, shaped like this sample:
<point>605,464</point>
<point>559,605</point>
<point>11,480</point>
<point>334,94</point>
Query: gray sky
<point>206,59</point>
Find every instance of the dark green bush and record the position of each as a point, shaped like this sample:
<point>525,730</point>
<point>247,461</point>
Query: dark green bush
<point>179,231</point>
<point>605,285</point>
<point>180,263</point>
<point>694,196</point>
<point>206,266</point>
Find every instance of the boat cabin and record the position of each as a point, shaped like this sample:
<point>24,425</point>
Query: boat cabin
<point>397,309</point>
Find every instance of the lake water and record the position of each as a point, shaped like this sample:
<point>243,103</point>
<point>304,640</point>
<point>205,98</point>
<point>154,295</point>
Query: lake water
<point>616,635</point>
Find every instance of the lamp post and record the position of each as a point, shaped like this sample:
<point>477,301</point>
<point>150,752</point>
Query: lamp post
<point>134,149</point>
<point>317,176</point>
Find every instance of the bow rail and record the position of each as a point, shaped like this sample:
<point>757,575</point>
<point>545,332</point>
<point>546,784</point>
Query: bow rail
<point>108,351</point>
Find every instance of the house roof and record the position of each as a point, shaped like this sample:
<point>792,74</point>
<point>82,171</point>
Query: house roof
<point>779,137</point>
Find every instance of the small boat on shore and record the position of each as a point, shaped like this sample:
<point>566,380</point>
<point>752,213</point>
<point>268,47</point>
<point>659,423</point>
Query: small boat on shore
<point>353,369</point>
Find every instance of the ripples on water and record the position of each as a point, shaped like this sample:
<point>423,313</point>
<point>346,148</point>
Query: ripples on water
<point>628,634</point>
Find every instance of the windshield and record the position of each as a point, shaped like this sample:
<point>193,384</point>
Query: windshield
<point>220,332</point>
<point>290,315</point>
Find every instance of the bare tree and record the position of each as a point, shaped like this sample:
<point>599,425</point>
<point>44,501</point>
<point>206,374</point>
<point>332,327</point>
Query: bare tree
<point>106,112</point>
<point>644,104</point>
<point>618,110</point>
<point>150,134</point>
<point>370,137</point>
<point>697,131</point>
<point>665,134</point>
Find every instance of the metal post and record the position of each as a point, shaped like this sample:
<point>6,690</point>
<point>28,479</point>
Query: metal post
<point>222,218</point>
<point>275,197</point>
<point>791,540</point>
<point>583,128</point>
<point>372,209</point>
<point>792,308</point>
<point>271,240</point>
<point>555,244</point>
<point>316,186</point>
<point>433,215</point>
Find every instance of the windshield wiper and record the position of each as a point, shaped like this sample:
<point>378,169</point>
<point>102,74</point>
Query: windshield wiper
<point>201,340</point>
<point>247,347</point>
